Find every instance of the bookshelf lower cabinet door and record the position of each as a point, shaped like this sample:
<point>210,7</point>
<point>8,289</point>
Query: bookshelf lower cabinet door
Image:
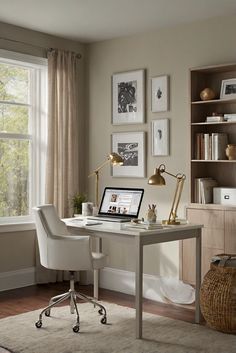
<point>230,232</point>
<point>188,252</point>
<point>188,261</point>
<point>210,218</point>
<point>213,238</point>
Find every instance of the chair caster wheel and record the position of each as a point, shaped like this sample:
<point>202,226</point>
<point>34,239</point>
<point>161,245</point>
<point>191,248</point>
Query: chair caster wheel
<point>104,320</point>
<point>38,324</point>
<point>76,328</point>
<point>100,312</point>
<point>47,313</point>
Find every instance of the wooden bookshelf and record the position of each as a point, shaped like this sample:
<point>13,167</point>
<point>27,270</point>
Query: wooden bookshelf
<point>219,221</point>
<point>200,78</point>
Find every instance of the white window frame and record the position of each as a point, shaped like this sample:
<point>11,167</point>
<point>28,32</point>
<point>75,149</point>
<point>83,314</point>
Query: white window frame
<point>38,133</point>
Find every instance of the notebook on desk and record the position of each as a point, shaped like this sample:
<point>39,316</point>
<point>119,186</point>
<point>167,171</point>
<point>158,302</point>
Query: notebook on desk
<point>119,204</point>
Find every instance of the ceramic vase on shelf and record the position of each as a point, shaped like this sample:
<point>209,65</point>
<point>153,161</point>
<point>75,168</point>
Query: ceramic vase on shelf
<point>231,151</point>
<point>207,94</point>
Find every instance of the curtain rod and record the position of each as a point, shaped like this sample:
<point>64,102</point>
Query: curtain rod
<point>79,56</point>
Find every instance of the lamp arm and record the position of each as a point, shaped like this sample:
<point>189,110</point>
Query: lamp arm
<point>114,158</point>
<point>176,199</point>
<point>96,187</point>
<point>96,173</point>
<point>173,175</point>
<point>99,167</point>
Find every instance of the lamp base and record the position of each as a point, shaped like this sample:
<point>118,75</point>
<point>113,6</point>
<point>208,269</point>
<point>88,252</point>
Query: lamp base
<point>166,221</point>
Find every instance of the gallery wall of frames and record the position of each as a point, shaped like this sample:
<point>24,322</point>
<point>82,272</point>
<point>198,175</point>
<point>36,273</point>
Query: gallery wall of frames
<point>128,107</point>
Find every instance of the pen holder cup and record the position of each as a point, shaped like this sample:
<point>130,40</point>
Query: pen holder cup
<point>151,216</point>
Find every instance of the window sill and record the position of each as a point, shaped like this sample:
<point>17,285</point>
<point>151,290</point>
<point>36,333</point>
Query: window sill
<point>16,227</point>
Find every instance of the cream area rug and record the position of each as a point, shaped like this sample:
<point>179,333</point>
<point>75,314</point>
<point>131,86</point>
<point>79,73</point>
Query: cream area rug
<point>161,335</point>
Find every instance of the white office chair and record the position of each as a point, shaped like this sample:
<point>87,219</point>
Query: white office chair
<point>60,250</point>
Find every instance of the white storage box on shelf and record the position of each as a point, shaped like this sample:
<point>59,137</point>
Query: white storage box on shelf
<point>224,195</point>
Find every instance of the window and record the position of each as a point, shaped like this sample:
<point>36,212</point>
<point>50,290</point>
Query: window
<point>23,89</point>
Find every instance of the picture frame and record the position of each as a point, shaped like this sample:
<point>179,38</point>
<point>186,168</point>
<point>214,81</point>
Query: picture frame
<point>160,93</point>
<point>228,89</point>
<point>128,102</point>
<point>160,137</point>
<point>131,147</point>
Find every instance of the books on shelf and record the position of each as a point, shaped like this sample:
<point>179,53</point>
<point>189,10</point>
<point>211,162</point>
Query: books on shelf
<point>204,190</point>
<point>219,144</point>
<point>211,146</point>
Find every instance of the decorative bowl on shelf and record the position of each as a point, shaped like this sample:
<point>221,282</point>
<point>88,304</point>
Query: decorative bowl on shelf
<point>207,94</point>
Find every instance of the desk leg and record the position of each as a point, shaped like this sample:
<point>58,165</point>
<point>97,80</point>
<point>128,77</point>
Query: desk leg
<point>198,277</point>
<point>139,286</point>
<point>96,272</point>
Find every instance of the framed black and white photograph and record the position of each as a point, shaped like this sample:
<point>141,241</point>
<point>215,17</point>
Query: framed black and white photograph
<point>160,94</point>
<point>131,147</point>
<point>128,97</point>
<point>160,137</point>
<point>228,89</point>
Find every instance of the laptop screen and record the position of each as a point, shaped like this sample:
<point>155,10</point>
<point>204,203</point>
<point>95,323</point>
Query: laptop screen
<point>121,202</point>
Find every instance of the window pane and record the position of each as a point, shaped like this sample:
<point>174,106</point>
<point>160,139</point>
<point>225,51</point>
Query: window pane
<point>14,178</point>
<point>14,118</point>
<point>14,83</point>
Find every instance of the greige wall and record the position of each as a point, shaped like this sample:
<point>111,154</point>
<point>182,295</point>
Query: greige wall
<point>169,51</point>
<point>17,250</point>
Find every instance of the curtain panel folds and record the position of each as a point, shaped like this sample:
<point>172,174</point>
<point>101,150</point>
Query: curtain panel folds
<point>63,130</point>
<point>62,178</point>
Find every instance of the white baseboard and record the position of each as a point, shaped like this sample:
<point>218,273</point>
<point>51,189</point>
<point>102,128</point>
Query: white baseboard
<point>124,282</point>
<point>110,278</point>
<point>17,279</point>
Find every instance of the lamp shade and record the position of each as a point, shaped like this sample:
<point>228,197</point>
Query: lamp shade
<point>156,178</point>
<point>115,159</point>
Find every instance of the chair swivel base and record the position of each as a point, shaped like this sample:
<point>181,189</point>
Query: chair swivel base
<point>72,295</point>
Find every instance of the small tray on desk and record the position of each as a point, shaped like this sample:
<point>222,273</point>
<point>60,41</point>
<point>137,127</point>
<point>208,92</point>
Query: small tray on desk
<point>144,225</point>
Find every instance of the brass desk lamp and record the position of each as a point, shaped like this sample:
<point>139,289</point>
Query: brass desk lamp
<point>114,159</point>
<point>157,179</point>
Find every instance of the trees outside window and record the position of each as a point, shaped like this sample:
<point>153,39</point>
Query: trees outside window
<point>22,134</point>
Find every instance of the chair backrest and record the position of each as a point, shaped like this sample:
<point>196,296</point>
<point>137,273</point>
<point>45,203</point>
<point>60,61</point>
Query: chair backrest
<point>47,224</point>
<point>58,249</point>
<point>51,220</point>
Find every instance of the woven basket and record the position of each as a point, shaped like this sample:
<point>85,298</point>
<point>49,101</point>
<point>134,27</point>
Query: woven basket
<point>218,294</point>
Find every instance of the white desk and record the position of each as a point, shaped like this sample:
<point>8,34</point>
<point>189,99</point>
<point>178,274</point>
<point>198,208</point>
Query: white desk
<point>139,238</point>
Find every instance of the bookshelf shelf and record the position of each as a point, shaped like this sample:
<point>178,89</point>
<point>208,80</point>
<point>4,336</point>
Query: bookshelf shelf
<point>212,161</point>
<point>215,101</point>
<point>214,123</point>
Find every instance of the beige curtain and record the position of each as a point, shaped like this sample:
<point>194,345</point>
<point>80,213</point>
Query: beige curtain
<point>62,177</point>
<point>63,130</point>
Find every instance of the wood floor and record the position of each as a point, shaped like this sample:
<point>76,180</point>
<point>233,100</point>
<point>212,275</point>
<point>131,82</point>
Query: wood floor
<point>26,299</point>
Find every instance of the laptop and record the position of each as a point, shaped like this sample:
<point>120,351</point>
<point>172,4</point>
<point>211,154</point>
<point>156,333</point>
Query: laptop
<point>119,204</point>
